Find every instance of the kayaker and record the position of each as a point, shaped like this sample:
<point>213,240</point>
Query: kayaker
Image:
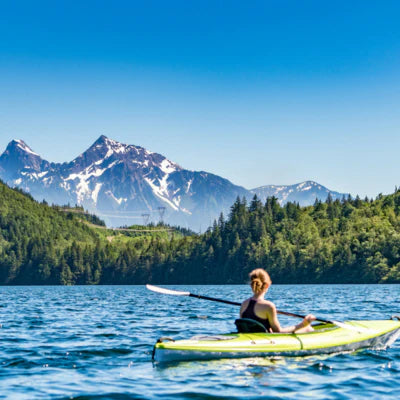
<point>264,311</point>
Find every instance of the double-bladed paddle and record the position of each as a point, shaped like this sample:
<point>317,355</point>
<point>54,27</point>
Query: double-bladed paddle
<point>158,289</point>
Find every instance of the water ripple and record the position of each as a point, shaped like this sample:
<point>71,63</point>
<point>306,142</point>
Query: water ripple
<point>96,343</point>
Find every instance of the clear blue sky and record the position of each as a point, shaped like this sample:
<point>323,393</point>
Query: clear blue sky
<point>260,92</point>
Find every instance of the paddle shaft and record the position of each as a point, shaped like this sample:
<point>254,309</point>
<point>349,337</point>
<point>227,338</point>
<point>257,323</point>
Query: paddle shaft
<point>197,296</point>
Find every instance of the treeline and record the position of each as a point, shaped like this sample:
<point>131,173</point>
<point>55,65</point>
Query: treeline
<point>42,244</point>
<point>78,211</point>
<point>162,226</point>
<point>34,239</point>
<point>348,241</point>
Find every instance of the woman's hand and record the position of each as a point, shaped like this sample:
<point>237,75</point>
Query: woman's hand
<point>308,319</point>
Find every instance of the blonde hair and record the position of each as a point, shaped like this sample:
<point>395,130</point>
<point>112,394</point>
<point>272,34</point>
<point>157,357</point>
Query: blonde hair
<point>260,280</point>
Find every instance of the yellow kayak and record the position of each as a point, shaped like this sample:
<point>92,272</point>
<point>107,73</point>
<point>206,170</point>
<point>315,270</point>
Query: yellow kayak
<point>326,338</point>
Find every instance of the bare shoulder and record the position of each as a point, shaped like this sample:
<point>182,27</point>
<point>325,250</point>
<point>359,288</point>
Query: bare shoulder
<point>267,305</point>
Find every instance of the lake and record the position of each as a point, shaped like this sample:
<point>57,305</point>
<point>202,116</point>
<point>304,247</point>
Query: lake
<point>95,342</point>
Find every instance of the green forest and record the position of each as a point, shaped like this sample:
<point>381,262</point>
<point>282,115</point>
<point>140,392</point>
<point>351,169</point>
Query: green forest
<point>347,241</point>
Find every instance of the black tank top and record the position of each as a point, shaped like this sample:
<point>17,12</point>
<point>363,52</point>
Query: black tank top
<point>249,313</point>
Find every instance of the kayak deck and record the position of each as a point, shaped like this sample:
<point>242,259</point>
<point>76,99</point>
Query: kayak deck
<point>326,338</point>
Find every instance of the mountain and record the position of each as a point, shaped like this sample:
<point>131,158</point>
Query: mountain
<point>19,158</point>
<point>123,184</point>
<point>43,245</point>
<point>303,193</point>
<point>126,184</point>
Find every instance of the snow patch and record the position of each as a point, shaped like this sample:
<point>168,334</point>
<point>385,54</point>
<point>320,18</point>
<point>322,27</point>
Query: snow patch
<point>176,200</point>
<point>189,184</point>
<point>96,191</point>
<point>84,178</point>
<point>167,166</point>
<point>34,175</point>
<point>161,191</point>
<point>48,181</point>
<point>65,185</point>
<point>116,147</point>
<point>21,144</point>
<point>118,200</point>
<point>110,152</point>
<point>90,171</point>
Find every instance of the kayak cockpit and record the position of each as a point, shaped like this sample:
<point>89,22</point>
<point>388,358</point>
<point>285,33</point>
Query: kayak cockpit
<point>247,325</point>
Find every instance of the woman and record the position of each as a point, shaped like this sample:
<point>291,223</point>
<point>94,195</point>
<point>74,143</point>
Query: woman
<point>264,311</point>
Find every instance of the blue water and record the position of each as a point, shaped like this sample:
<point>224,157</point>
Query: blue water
<point>96,342</point>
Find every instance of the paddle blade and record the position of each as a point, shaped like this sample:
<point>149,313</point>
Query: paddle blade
<point>166,291</point>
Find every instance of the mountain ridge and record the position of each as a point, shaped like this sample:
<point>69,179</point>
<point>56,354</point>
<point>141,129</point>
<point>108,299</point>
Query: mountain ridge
<point>304,193</point>
<point>124,182</point>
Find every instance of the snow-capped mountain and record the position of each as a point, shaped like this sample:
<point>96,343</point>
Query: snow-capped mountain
<point>127,184</point>
<point>303,193</point>
<point>123,184</point>
<point>19,158</point>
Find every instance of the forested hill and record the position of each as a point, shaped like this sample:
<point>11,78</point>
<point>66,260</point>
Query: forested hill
<point>36,238</point>
<point>348,241</point>
<point>40,244</point>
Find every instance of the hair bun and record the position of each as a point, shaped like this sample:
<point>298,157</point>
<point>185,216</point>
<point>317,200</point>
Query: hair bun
<point>257,282</point>
<point>260,280</point>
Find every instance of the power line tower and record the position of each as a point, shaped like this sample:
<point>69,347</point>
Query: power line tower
<point>146,218</point>
<point>161,212</point>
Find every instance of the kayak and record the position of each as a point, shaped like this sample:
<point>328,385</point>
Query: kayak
<point>326,338</point>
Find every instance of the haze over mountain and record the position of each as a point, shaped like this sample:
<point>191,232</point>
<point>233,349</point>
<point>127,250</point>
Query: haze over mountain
<point>303,193</point>
<point>126,184</point>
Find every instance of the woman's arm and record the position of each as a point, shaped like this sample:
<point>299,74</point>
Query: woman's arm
<point>276,326</point>
<point>243,308</point>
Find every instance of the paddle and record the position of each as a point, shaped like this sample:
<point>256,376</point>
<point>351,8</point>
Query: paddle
<point>158,289</point>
